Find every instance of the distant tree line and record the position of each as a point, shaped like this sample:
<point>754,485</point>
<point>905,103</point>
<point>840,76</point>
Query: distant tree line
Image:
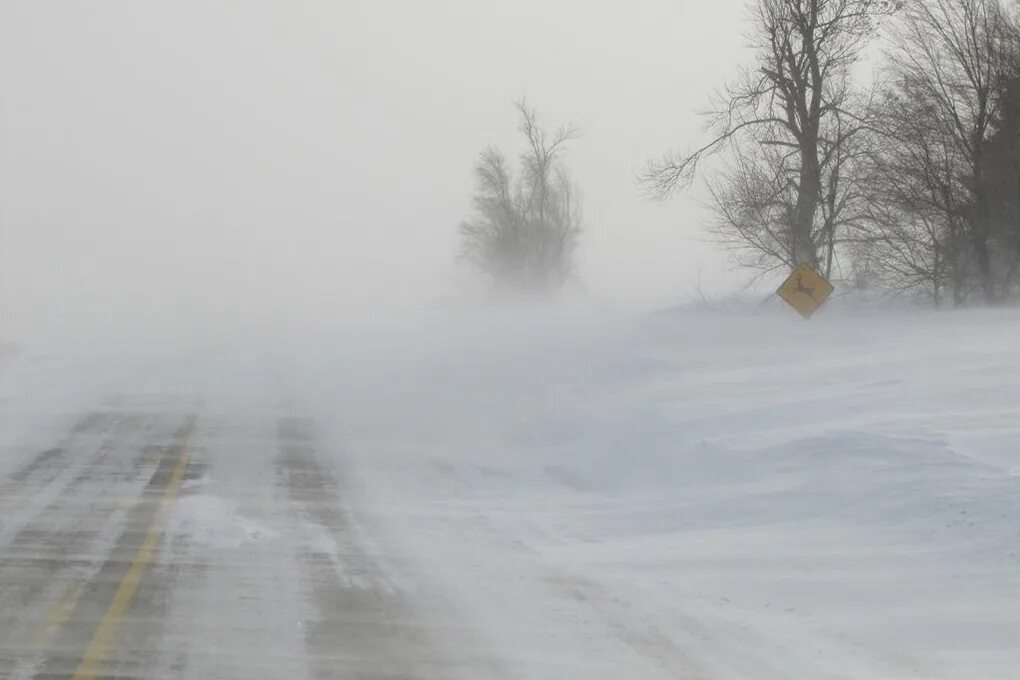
<point>910,182</point>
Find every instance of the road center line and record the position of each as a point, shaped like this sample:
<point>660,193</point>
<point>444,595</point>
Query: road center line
<point>105,635</point>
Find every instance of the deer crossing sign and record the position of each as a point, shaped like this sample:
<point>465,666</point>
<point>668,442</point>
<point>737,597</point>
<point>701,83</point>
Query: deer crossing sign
<point>806,290</point>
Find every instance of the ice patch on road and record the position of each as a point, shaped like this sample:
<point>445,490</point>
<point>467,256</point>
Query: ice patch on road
<point>213,521</point>
<point>318,539</point>
<point>352,567</point>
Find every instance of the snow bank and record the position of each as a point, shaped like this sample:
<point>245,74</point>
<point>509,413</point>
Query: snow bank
<point>839,498</point>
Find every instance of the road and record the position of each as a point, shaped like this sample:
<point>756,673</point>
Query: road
<point>162,538</point>
<point>116,561</point>
<point>172,536</point>
<point>199,536</point>
<point>235,517</point>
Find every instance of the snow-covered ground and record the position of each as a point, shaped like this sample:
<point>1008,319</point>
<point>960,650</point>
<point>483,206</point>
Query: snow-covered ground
<point>735,494</point>
<point>706,495</point>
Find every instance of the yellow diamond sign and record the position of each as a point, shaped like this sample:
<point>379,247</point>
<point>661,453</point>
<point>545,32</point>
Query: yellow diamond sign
<point>806,290</point>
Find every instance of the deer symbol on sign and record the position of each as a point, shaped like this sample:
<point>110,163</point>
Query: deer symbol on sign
<point>801,288</point>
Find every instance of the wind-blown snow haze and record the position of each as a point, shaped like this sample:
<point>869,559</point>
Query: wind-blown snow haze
<point>202,167</point>
<point>419,340</point>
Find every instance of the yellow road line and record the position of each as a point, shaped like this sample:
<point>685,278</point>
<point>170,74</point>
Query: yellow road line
<point>106,633</point>
<point>57,615</point>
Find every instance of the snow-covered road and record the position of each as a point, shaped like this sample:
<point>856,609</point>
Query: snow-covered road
<point>685,497</point>
<point>158,540</point>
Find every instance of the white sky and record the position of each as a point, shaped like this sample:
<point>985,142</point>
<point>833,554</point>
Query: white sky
<point>197,162</point>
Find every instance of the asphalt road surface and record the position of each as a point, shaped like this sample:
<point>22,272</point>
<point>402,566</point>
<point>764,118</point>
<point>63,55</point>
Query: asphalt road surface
<point>175,537</point>
<point>115,564</point>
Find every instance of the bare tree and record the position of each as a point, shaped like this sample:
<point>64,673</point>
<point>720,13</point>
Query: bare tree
<point>793,123</point>
<point>755,200</point>
<point>950,61</point>
<point>917,208</point>
<point>494,238</point>
<point>525,230</point>
<point>1003,169</point>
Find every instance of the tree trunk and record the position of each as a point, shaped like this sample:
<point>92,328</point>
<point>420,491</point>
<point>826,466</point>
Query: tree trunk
<point>980,228</point>
<point>983,260</point>
<point>936,278</point>
<point>956,267</point>
<point>805,251</point>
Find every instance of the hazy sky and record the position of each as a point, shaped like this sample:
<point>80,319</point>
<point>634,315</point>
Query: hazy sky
<point>192,162</point>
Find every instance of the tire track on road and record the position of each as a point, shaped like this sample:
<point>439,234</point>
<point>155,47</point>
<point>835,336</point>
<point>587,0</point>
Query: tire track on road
<point>365,628</point>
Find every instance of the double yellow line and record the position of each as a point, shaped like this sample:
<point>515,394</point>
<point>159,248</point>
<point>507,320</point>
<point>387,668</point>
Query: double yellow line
<point>105,636</point>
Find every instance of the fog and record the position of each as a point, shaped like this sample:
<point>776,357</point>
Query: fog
<point>264,424</point>
<point>193,168</point>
